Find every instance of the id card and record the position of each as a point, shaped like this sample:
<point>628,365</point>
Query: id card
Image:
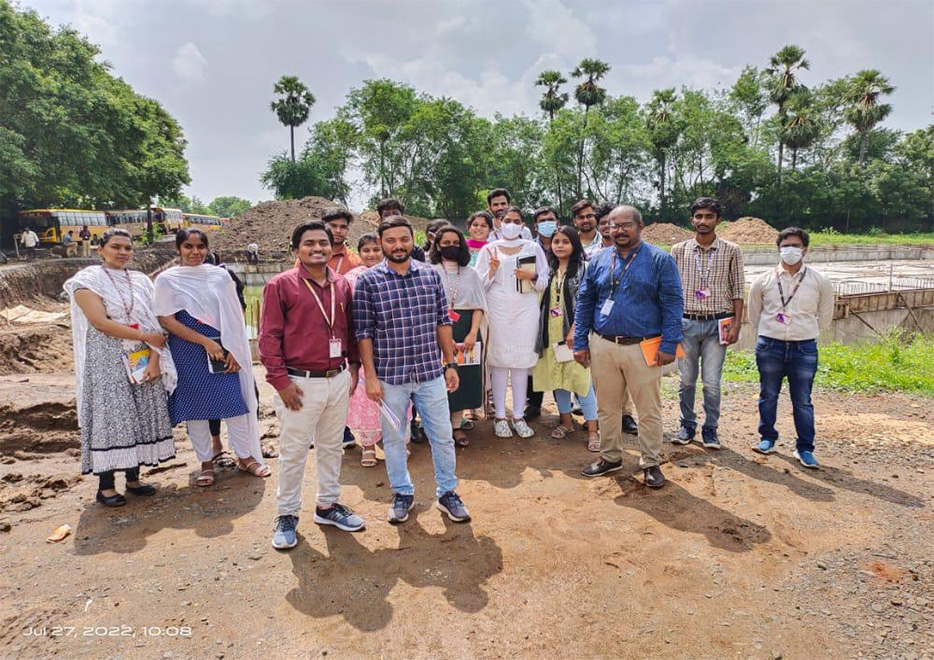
<point>454,316</point>
<point>700,294</point>
<point>563,352</point>
<point>334,348</point>
<point>783,318</point>
<point>607,307</point>
<point>556,312</point>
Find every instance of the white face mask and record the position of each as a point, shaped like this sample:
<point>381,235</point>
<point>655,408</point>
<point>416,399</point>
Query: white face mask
<point>511,230</point>
<point>791,255</point>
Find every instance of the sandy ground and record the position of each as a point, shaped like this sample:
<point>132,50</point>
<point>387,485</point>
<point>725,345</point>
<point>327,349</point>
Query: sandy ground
<point>739,556</point>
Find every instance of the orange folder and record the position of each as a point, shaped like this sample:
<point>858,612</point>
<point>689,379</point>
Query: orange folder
<point>650,350</point>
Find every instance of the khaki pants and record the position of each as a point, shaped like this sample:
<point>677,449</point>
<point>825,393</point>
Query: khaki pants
<point>616,369</point>
<point>85,248</point>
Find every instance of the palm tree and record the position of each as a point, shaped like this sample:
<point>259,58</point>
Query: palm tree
<point>865,110</point>
<point>293,105</point>
<point>664,130</point>
<point>782,83</point>
<point>552,99</point>
<point>801,129</point>
<point>588,93</point>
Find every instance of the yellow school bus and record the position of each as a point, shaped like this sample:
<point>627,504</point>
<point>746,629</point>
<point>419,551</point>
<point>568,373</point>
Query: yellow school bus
<point>52,224</point>
<point>133,220</point>
<point>203,222</point>
<point>170,220</point>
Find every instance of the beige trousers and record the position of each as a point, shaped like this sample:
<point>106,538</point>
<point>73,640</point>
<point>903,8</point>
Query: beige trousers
<point>616,369</point>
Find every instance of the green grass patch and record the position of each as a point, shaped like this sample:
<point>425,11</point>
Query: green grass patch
<point>899,363</point>
<point>830,237</point>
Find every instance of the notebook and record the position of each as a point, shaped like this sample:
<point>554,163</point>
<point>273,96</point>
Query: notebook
<point>650,350</point>
<point>528,265</point>
<point>218,366</point>
<point>136,363</point>
<point>724,326</point>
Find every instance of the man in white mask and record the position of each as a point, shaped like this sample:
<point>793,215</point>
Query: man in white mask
<point>789,306</point>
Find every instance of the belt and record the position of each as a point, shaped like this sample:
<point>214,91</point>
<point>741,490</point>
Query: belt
<point>304,373</point>
<point>626,341</point>
<point>708,317</point>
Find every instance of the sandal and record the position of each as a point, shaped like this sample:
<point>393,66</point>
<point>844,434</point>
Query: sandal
<point>467,425</point>
<point>593,443</point>
<point>206,478</point>
<point>560,432</point>
<point>255,468</point>
<point>269,452</point>
<point>368,459</point>
<point>460,438</point>
<point>222,460</point>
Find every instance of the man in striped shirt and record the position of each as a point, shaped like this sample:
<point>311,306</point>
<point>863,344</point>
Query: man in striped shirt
<point>712,281</point>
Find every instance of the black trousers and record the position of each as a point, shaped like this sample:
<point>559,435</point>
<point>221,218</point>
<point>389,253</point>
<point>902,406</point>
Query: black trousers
<point>107,478</point>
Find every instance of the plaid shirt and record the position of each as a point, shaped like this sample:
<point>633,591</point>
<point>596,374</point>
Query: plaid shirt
<point>724,262</point>
<point>401,314</point>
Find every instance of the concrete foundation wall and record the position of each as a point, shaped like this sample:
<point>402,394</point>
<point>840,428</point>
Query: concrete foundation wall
<point>759,256</point>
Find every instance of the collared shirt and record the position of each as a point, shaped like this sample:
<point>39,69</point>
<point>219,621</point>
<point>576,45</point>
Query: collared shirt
<point>342,260</point>
<point>720,272</point>
<point>401,314</point>
<point>648,301</point>
<point>293,331</point>
<point>595,247</point>
<point>84,234</point>
<point>810,309</point>
<point>30,238</point>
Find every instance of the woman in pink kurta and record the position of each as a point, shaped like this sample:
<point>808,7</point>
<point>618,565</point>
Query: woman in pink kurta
<point>362,414</point>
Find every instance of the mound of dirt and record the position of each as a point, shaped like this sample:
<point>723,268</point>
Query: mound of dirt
<point>368,221</point>
<point>748,231</point>
<point>31,348</point>
<point>665,233</point>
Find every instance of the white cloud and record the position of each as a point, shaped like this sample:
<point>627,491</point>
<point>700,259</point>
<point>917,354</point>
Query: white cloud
<point>556,27</point>
<point>189,64</point>
<point>662,71</point>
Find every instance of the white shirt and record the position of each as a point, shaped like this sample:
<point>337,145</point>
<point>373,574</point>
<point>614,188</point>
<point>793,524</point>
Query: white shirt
<point>810,309</point>
<point>30,239</point>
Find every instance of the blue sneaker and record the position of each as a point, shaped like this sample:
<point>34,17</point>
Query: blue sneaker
<point>806,459</point>
<point>765,446</point>
<point>684,436</point>
<point>349,439</point>
<point>339,516</point>
<point>452,505</point>
<point>284,538</point>
<point>709,438</point>
<point>401,505</point>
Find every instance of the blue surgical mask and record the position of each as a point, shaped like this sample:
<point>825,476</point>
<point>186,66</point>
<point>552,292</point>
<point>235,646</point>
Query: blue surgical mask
<point>547,228</point>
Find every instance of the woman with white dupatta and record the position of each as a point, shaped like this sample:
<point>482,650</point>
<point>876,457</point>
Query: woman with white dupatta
<point>122,415</point>
<point>197,303</point>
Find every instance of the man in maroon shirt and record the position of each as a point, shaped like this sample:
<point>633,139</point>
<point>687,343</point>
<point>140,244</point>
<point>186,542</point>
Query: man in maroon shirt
<point>307,344</point>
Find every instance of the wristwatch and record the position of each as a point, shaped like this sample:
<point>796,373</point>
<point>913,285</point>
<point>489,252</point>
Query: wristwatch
<point>450,365</point>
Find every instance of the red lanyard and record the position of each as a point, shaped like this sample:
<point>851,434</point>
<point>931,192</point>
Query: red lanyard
<point>329,321</point>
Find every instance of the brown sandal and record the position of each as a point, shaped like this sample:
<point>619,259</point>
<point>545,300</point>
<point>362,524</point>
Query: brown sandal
<point>206,478</point>
<point>255,468</point>
<point>561,431</point>
<point>593,442</point>
<point>460,438</point>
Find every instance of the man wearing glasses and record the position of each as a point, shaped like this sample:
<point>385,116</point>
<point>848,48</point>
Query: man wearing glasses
<point>630,295</point>
<point>584,216</point>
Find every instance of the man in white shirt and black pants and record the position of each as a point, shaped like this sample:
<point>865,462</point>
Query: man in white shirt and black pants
<point>789,306</point>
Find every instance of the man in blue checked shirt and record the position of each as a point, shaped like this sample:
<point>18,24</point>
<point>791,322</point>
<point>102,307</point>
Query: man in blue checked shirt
<point>629,294</point>
<point>400,313</point>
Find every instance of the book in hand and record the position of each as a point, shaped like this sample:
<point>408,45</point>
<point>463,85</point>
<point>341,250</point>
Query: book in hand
<point>650,350</point>
<point>528,265</point>
<point>466,359</point>
<point>136,364</point>
<point>724,326</point>
<point>217,366</point>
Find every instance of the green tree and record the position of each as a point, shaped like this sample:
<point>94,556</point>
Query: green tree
<point>800,129</point>
<point>293,105</point>
<point>552,98</point>
<point>664,129</point>
<point>588,93</point>
<point>782,82</point>
<point>865,108</point>
<point>751,98</point>
<point>229,207</point>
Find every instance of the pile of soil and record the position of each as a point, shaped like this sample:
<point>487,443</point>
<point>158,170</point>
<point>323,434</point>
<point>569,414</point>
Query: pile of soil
<point>748,231</point>
<point>30,348</point>
<point>665,233</point>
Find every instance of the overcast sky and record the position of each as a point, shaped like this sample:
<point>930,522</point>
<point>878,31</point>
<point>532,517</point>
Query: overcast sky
<point>212,63</point>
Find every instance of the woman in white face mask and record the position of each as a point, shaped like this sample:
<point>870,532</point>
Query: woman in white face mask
<point>513,271</point>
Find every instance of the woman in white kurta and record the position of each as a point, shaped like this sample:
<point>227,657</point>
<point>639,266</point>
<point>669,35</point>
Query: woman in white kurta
<point>513,317</point>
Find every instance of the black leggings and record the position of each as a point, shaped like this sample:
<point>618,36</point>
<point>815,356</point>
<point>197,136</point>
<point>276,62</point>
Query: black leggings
<point>107,478</point>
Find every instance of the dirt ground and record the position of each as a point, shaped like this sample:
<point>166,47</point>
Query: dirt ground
<point>739,556</point>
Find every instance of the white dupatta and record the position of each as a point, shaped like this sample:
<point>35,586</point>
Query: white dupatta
<point>95,280</point>
<point>209,294</point>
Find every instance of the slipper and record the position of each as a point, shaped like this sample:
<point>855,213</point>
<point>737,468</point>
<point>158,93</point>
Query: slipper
<point>560,432</point>
<point>368,459</point>
<point>255,468</point>
<point>205,479</point>
<point>593,443</point>
<point>467,425</point>
<point>270,453</point>
<point>460,438</point>
<point>222,460</point>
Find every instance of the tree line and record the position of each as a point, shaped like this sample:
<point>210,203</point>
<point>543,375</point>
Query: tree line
<point>776,144</point>
<point>71,133</point>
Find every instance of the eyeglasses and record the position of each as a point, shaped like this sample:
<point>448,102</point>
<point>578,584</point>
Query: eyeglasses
<point>589,216</point>
<point>626,225</point>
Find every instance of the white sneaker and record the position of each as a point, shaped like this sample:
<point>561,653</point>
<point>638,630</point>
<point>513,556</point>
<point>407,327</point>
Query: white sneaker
<point>523,429</point>
<point>501,429</point>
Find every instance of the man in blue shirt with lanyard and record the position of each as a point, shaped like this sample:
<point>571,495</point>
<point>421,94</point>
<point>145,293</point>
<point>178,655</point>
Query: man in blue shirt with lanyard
<point>629,294</point>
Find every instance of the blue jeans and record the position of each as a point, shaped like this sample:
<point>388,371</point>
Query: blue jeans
<point>431,398</point>
<point>702,352</point>
<point>797,361</point>
<point>588,403</point>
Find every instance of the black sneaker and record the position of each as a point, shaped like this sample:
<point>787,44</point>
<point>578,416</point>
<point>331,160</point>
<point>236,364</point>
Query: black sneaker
<point>401,505</point>
<point>349,439</point>
<point>577,410</point>
<point>601,467</point>
<point>630,426</point>
<point>452,505</point>
<point>709,438</point>
<point>654,477</point>
<point>532,412</point>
